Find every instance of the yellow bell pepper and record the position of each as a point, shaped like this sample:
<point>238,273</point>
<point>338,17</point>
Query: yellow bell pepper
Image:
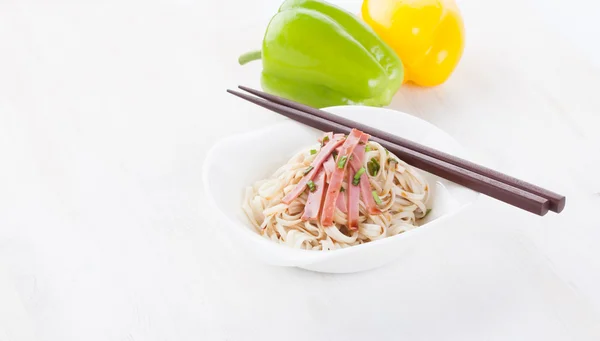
<point>427,35</point>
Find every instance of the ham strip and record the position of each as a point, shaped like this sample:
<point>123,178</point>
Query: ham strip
<point>341,202</point>
<point>328,135</point>
<point>338,176</point>
<point>329,166</point>
<point>313,203</point>
<point>353,198</point>
<point>330,162</point>
<point>316,164</point>
<point>365,187</point>
<point>367,196</point>
<point>359,153</point>
<point>354,191</point>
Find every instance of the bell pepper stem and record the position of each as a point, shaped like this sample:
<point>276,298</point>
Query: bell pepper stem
<point>250,56</point>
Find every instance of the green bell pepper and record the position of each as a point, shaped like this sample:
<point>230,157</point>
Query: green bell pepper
<point>320,55</point>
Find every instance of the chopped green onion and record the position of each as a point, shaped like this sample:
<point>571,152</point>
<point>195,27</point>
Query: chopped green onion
<point>311,186</point>
<point>373,166</point>
<point>376,197</point>
<point>307,170</point>
<point>367,148</point>
<point>357,176</point>
<point>335,154</point>
<point>342,162</point>
<point>387,152</point>
<point>376,162</point>
<point>392,159</point>
<point>370,168</point>
<point>351,157</point>
<point>313,151</point>
<point>342,190</point>
<point>325,140</point>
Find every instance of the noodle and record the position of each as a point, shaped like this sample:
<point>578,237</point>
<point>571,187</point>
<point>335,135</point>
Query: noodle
<point>402,190</point>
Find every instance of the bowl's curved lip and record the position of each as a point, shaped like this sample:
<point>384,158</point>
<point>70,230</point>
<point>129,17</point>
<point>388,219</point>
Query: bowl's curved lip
<point>304,257</point>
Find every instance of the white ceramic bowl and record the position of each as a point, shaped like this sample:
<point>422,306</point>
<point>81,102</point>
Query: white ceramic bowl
<point>259,153</point>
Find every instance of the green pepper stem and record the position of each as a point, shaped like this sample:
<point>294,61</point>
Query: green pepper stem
<point>250,56</point>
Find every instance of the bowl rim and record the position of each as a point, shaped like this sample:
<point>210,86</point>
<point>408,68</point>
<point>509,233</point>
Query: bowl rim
<point>302,256</point>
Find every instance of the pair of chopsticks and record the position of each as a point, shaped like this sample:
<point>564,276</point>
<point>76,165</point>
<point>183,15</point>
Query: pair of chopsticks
<point>484,180</point>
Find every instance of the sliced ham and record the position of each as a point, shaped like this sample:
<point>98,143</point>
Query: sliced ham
<point>342,203</point>
<point>367,195</point>
<point>353,199</point>
<point>359,153</point>
<point>313,203</point>
<point>329,166</point>
<point>338,176</point>
<point>365,187</point>
<point>328,135</point>
<point>316,164</point>
<point>330,162</point>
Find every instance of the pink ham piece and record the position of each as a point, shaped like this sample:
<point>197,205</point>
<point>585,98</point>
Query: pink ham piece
<point>365,187</point>
<point>330,162</point>
<point>316,164</point>
<point>353,198</point>
<point>313,203</point>
<point>329,166</point>
<point>338,176</point>
<point>341,202</point>
<point>354,191</point>
<point>328,135</point>
<point>367,194</point>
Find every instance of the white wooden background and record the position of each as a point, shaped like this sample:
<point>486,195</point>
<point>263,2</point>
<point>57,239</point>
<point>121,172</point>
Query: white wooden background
<point>107,111</point>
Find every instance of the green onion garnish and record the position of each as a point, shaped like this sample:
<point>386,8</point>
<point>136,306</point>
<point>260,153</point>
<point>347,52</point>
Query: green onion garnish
<point>367,148</point>
<point>357,176</point>
<point>376,197</point>
<point>342,190</point>
<point>311,186</point>
<point>335,154</point>
<point>370,168</point>
<point>373,166</point>
<point>313,151</point>
<point>307,170</point>
<point>342,161</point>
<point>392,159</point>
<point>387,152</point>
<point>325,140</point>
<point>426,212</point>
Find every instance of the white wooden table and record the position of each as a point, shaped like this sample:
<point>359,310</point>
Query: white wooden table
<point>107,111</point>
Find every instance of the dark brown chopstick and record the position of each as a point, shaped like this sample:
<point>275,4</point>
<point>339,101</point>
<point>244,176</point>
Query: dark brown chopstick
<point>557,201</point>
<point>480,183</point>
